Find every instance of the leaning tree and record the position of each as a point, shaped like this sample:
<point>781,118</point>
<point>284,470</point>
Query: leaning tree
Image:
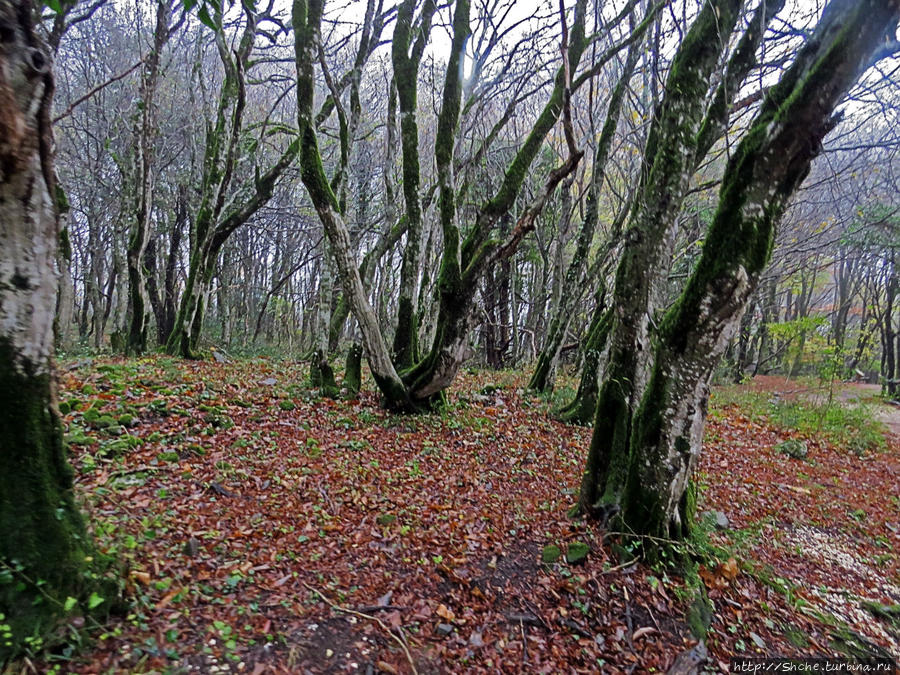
<point>652,402</point>
<point>469,248</point>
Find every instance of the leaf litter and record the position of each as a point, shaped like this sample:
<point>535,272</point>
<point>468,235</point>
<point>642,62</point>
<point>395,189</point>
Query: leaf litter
<point>333,536</point>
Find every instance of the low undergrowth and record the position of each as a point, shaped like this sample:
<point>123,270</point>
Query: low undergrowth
<point>849,426</point>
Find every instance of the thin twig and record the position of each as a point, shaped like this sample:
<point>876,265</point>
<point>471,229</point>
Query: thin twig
<point>77,102</point>
<point>524,644</point>
<point>619,567</point>
<point>399,640</point>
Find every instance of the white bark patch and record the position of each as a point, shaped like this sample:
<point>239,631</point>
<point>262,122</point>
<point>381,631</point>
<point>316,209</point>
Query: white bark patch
<point>28,236</point>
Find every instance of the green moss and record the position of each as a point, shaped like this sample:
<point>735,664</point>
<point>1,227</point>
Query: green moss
<point>42,535</point>
<point>104,422</point>
<point>405,337</point>
<point>796,636</point>
<point>286,405</point>
<point>550,554</point>
<point>353,371</point>
<point>576,552</point>
<point>699,614</point>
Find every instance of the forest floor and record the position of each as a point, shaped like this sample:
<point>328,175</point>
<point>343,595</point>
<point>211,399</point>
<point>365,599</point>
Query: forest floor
<point>265,530</point>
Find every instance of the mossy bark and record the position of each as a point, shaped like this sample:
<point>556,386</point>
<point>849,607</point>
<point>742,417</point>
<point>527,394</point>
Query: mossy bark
<point>669,161</point>
<point>769,164</point>
<point>463,263</point>
<point>43,541</point>
<point>306,19</point>
<point>218,214</point>
<point>42,535</point>
<point>321,375</point>
<point>143,185</point>
<point>408,45</point>
<point>582,408</point>
<point>353,371</point>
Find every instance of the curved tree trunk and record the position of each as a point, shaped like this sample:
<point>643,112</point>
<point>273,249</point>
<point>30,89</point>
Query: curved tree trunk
<point>769,164</point>
<point>306,21</point>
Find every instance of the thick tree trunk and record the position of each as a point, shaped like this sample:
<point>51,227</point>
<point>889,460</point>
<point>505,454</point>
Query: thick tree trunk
<point>669,162</point>
<point>769,164</point>
<point>42,536</point>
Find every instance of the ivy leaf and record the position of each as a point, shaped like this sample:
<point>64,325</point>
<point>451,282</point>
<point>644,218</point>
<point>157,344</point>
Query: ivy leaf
<point>70,604</point>
<point>95,601</point>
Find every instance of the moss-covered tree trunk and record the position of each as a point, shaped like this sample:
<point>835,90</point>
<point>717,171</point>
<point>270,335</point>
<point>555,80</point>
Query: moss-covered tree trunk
<point>306,16</point>
<point>163,301</point>
<point>769,164</point>
<point>321,374</point>
<point>408,46</point>
<point>464,262</point>
<point>669,162</point>
<point>580,410</point>
<point>42,536</point>
<point>219,213</point>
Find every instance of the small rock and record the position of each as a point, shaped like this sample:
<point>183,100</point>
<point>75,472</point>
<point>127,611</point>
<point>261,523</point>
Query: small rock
<point>718,518</point>
<point>689,662</point>
<point>269,381</point>
<point>444,629</point>
<point>192,547</point>
<point>476,639</point>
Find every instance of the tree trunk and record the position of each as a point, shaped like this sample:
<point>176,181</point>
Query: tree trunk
<point>406,54</point>
<point>669,162</point>
<point>321,374</point>
<point>582,408</point>
<point>43,539</point>
<point>306,21</point>
<point>652,474</point>
<point>143,178</point>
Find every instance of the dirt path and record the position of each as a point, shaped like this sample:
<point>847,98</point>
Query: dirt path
<point>825,529</point>
<point>847,393</point>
